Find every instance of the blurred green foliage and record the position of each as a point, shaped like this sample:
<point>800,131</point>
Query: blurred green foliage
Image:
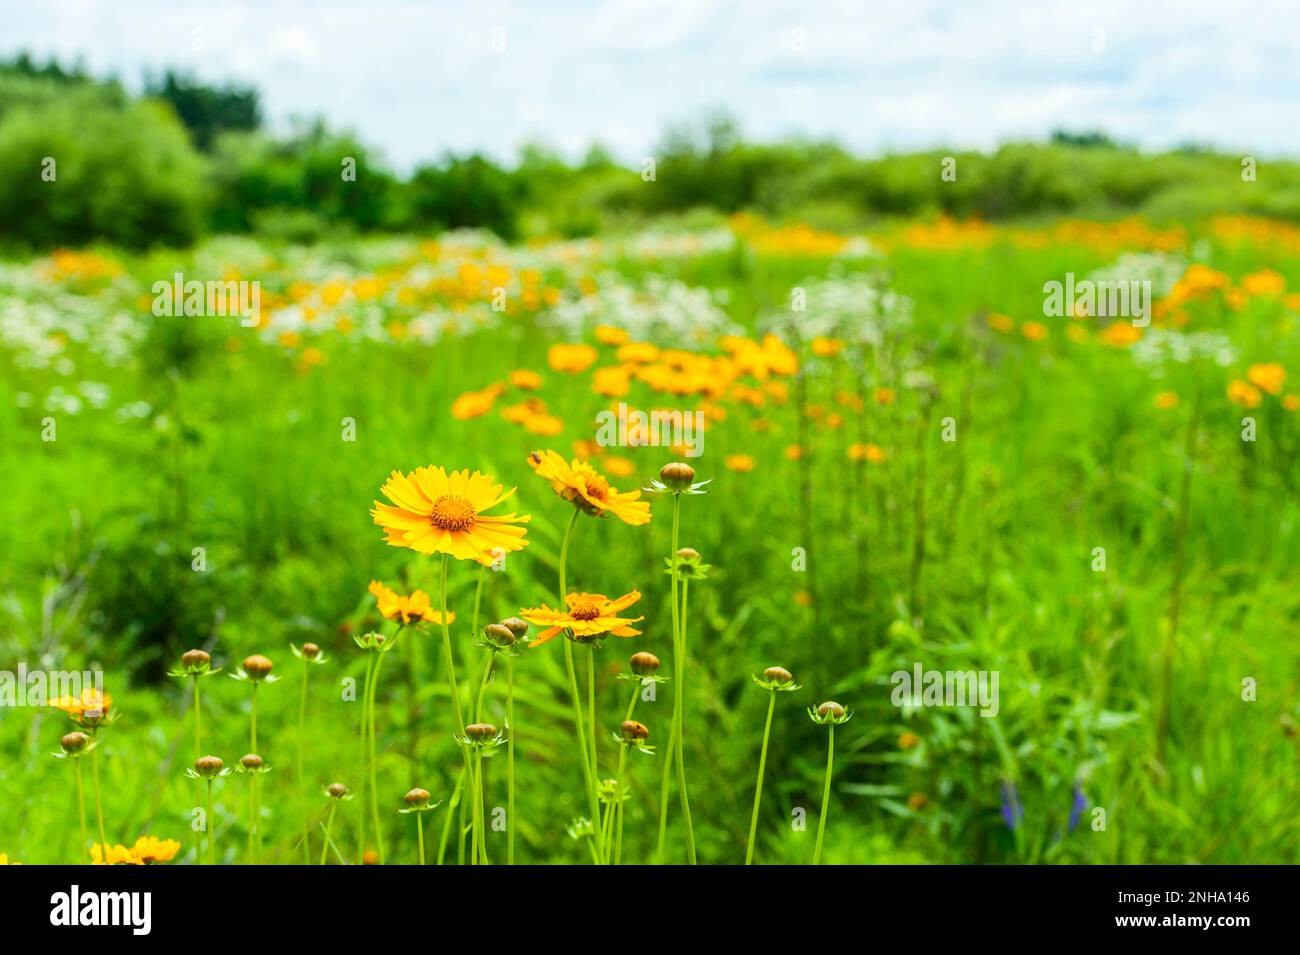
<point>128,173</point>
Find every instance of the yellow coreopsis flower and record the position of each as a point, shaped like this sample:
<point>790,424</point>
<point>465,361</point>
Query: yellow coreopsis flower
<point>570,359</point>
<point>1269,376</point>
<point>1243,393</point>
<point>588,616</point>
<point>434,512</point>
<point>412,608</point>
<point>116,855</point>
<point>89,709</point>
<point>150,849</point>
<point>585,487</point>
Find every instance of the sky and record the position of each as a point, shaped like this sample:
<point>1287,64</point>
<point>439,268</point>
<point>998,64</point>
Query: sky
<point>419,79</point>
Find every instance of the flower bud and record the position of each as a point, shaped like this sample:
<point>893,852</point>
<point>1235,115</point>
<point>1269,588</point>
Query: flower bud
<point>778,675</point>
<point>195,658</point>
<point>689,554</point>
<point>480,731</point>
<point>74,743</point>
<point>257,667</point>
<point>310,651</point>
<point>499,636</point>
<point>208,766</point>
<point>677,476</point>
<point>417,797</point>
<point>634,732</point>
<point>830,710</point>
<point>516,626</point>
<point>251,761</point>
<point>643,663</point>
<point>336,790</point>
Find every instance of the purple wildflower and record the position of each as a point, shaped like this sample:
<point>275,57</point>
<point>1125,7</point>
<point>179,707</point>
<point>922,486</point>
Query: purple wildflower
<point>1079,805</point>
<point>1012,811</point>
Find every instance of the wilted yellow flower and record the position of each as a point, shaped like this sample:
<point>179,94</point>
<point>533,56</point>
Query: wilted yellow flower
<point>411,608</point>
<point>434,512</point>
<point>582,485</point>
<point>1271,377</point>
<point>570,359</point>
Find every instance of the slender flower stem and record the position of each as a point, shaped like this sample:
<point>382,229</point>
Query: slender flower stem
<point>478,844</point>
<point>252,819</point>
<point>510,761</point>
<point>329,824</point>
<point>365,751</point>
<point>99,807</point>
<point>419,828</point>
<point>452,685</point>
<point>591,711</point>
<point>81,804</point>
<point>826,795</point>
<point>588,771</point>
<point>374,758</point>
<point>450,816</point>
<point>676,758</point>
<point>758,788</point>
<point>198,751</point>
<point>478,595</point>
<point>618,790</point>
<point>212,829</point>
<point>302,786</point>
<point>252,724</point>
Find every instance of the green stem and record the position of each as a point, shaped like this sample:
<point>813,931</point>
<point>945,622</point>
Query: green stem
<point>212,829</point>
<point>480,827</point>
<point>374,758</point>
<point>198,751</point>
<point>510,761</point>
<point>588,771</point>
<point>302,787</point>
<point>99,807</point>
<point>758,788</point>
<point>591,713</point>
<point>252,725</point>
<point>681,722</point>
<point>618,835</point>
<point>365,751</point>
<point>450,816</point>
<point>419,828</point>
<point>252,817</point>
<point>826,796</point>
<point>81,804</point>
<point>329,824</point>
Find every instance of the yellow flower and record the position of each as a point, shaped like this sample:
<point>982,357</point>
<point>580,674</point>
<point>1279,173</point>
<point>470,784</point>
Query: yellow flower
<point>149,849</point>
<point>1034,331</point>
<point>1121,334</point>
<point>1243,393</point>
<point>739,462</point>
<point>638,353</point>
<point>609,335</point>
<point>1271,377</point>
<point>526,380</point>
<point>1291,402</point>
<point>585,487</point>
<point>619,467</point>
<point>570,359</point>
<point>434,512</point>
<point>866,452</point>
<point>474,404</point>
<point>884,396</point>
<point>1000,323</point>
<point>545,425</point>
<point>4,860</point>
<point>1263,282</point>
<point>116,855</point>
<point>613,382</point>
<point>1167,399</point>
<point>589,615</point>
<point>824,347</point>
<point>409,609</point>
<point>793,452</point>
<point>90,708</point>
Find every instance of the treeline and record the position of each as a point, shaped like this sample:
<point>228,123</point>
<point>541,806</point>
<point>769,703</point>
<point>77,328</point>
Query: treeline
<point>82,160</point>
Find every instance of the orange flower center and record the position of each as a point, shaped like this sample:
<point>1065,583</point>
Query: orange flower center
<point>597,486</point>
<point>452,513</point>
<point>585,612</point>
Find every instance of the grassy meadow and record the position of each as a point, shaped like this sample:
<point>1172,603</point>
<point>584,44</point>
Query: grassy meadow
<point>909,463</point>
